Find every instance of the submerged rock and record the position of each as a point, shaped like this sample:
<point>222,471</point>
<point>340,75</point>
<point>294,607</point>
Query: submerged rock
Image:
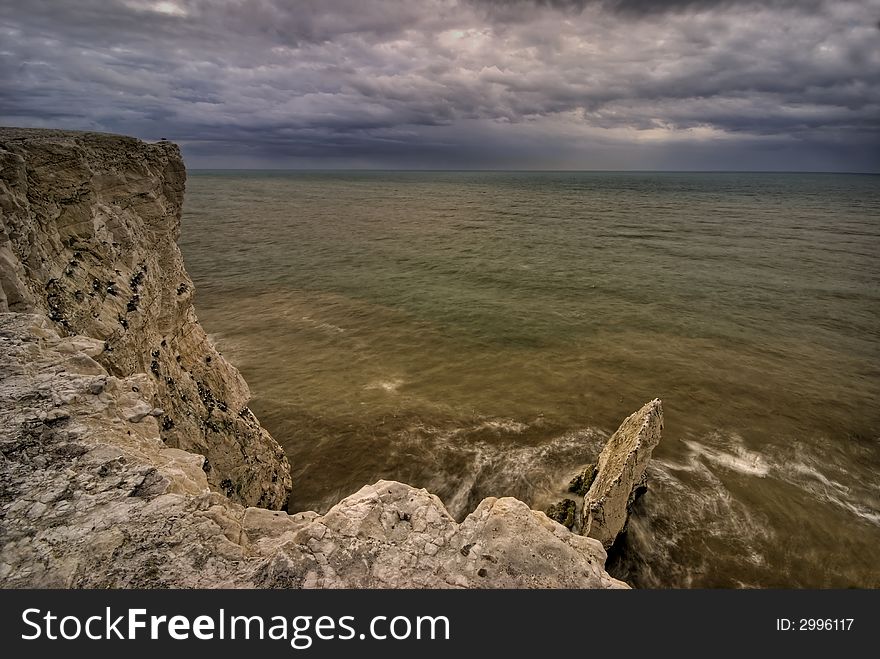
<point>621,474</point>
<point>580,484</point>
<point>564,512</point>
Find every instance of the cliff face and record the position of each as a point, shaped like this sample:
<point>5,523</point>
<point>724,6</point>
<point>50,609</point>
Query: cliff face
<point>111,394</point>
<point>88,237</point>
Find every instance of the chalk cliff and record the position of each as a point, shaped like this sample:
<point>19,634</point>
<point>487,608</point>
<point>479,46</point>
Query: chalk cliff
<point>88,237</point>
<point>129,457</point>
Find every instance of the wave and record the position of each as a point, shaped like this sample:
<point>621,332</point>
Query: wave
<point>708,520</point>
<point>484,459</point>
<point>738,458</point>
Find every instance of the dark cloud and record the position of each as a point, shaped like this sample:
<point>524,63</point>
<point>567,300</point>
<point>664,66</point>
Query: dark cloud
<point>644,7</point>
<point>458,83</point>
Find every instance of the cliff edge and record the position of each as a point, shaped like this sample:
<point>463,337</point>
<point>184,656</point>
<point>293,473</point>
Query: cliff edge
<point>129,457</point>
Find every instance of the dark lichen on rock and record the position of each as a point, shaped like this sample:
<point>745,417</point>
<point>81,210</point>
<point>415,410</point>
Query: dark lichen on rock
<point>564,512</point>
<point>580,484</point>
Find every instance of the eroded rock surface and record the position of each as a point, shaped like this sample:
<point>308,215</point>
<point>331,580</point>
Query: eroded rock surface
<point>88,237</point>
<point>92,497</point>
<point>621,474</point>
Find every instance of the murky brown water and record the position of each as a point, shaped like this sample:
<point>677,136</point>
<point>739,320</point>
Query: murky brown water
<point>481,334</point>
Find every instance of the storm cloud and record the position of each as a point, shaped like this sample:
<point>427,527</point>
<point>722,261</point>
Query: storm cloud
<point>518,84</point>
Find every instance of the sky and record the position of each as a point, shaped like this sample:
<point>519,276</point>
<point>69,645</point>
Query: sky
<point>458,84</point>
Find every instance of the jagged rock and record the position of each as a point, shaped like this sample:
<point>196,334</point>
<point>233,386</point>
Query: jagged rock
<point>96,501</point>
<point>621,473</point>
<point>580,484</point>
<point>563,512</point>
<point>88,236</point>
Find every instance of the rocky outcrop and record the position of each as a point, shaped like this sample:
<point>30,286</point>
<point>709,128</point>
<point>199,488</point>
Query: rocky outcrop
<point>129,457</point>
<point>88,237</point>
<point>621,474</point>
<point>92,497</point>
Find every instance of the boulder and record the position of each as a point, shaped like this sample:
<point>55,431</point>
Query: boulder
<point>580,484</point>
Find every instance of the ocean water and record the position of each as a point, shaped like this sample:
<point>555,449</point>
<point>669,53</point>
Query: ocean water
<point>482,333</point>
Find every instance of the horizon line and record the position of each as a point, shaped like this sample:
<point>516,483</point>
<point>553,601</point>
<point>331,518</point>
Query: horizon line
<point>532,171</point>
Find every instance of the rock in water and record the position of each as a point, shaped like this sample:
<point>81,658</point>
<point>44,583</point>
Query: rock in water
<point>621,476</point>
<point>580,484</point>
<point>563,512</point>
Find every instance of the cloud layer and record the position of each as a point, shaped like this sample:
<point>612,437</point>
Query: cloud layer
<point>522,84</point>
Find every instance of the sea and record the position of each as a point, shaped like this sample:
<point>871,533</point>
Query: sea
<point>483,333</point>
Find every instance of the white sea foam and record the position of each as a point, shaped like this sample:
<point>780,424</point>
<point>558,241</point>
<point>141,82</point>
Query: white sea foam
<point>799,470</point>
<point>737,458</point>
<point>329,327</point>
<point>390,386</point>
<point>810,479</point>
<point>538,474</point>
<point>504,425</point>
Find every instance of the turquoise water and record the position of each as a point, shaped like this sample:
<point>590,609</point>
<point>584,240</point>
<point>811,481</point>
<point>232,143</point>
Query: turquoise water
<point>481,333</point>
